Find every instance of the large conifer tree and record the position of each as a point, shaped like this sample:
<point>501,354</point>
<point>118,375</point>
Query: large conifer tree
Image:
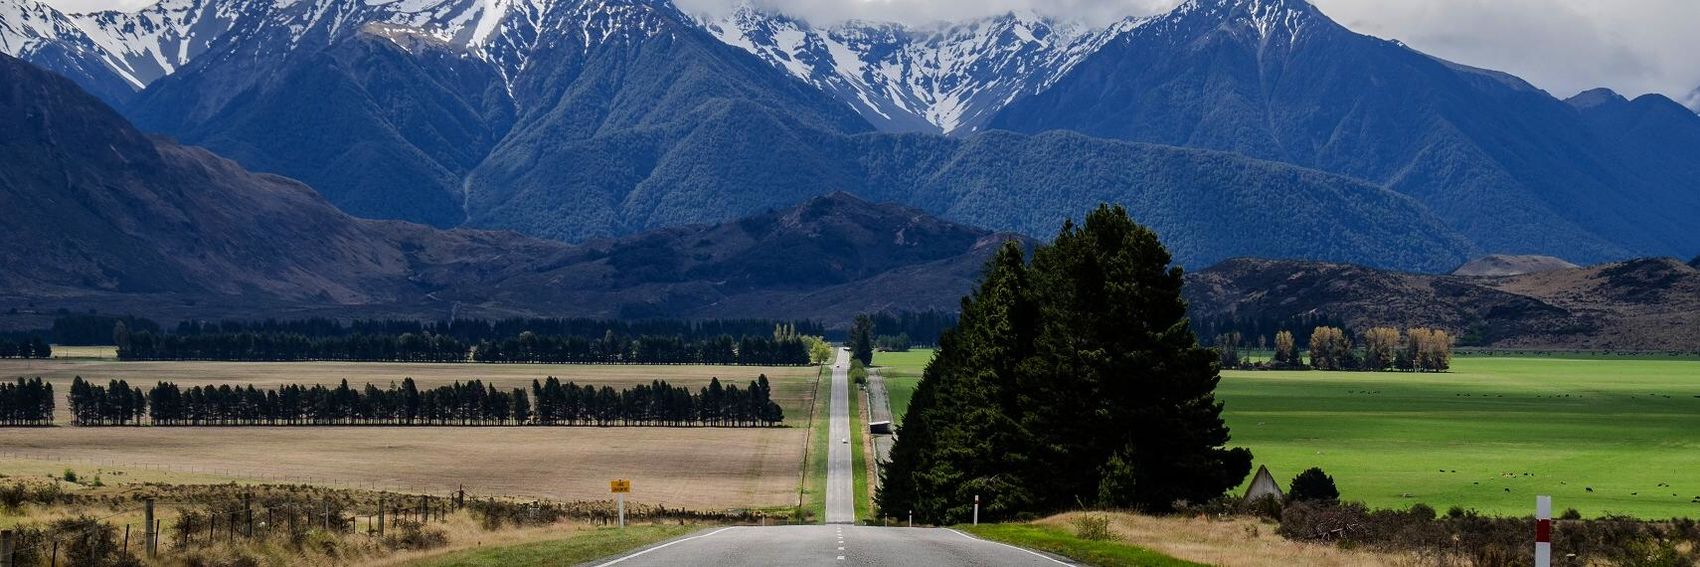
<point>1072,380</point>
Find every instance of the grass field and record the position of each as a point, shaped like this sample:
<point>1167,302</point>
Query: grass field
<point>1552,425</point>
<point>813,494</point>
<point>699,468</point>
<point>1490,435</point>
<point>902,372</point>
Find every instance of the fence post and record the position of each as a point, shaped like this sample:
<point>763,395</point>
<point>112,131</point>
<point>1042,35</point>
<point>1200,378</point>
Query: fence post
<point>5,548</point>
<point>148,534</point>
<point>380,515</point>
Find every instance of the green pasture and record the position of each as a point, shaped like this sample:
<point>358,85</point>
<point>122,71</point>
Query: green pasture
<point>1511,427</point>
<point>1490,435</point>
<point>902,372</point>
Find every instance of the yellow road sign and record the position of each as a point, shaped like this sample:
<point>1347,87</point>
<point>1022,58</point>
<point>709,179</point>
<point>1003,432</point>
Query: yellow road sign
<point>619,486</point>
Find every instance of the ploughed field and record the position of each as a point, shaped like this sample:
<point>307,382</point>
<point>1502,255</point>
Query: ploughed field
<point>1511,428</point>
<point>693,467</point>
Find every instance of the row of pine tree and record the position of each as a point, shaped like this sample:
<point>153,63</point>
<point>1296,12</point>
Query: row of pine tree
<point>26,402</point>
<point>33,347</point>
<point>461,403</point>
<point>613,349</point>
<point>425,347</point>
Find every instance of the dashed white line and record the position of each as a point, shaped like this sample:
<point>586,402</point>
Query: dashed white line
<point>1023,550</point>
<point>677,541</point>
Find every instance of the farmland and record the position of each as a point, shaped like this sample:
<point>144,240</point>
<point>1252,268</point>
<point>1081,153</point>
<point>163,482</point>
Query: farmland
<point>902,372</point>
<point>1511,428</point>
<point>692,467</point>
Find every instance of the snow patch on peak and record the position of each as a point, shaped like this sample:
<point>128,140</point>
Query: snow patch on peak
<point>942,77</point>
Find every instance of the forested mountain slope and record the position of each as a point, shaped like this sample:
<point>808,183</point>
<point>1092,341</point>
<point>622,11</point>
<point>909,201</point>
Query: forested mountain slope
<point>1505,164</point>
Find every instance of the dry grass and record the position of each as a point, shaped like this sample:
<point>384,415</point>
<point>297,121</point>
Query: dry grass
<point>117,504</point>
<point>1236,542</point>
<point>698,468</point>
<point>792,386</point>
<point>86,352</point>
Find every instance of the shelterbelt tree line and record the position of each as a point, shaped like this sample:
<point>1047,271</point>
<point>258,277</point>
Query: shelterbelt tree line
<point>1073,379</point>
<point>549,402</point>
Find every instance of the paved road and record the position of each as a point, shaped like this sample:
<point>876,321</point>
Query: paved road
<point>833,545</point>
<point>840,494</point>
<point>840,542</point>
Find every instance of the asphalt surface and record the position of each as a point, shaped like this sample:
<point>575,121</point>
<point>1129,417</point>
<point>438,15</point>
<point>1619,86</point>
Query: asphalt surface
<point>840,542</point>
<point>833,545</point>
<point>840,496</point>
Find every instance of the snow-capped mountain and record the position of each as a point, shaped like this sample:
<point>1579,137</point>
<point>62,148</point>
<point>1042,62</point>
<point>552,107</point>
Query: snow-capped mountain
<point>145,45</point>
<point>946,78</point>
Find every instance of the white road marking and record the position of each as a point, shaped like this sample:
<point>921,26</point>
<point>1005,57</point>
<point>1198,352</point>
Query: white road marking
<point>1023,550</point>
<point>665,545</point>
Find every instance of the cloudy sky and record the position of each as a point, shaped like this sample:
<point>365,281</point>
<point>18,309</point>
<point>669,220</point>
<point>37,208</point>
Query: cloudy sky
<point>1563,46</point>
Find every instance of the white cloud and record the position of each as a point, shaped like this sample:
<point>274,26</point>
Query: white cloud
<point>1564,46</point>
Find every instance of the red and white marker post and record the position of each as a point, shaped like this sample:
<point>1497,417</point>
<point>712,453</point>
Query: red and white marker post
<point>1543,531</point>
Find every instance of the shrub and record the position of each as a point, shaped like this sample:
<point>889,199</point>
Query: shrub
<point>1313,485</point>
<point>70,476</point>
<point>13,497</point>
<point>1093,527</point>
<point>415,536</point>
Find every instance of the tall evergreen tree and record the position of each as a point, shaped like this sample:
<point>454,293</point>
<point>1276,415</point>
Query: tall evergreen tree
<point>1073,379</point>
<point>862,339</point>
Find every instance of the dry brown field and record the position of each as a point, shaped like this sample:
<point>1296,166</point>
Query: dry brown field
<point>697,468</point>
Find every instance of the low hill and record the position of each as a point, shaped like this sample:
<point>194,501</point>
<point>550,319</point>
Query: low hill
<point>104,217</point>
<point>1510,265</point>
<point>1644,304</point>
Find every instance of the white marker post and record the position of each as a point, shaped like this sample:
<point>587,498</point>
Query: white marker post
<point>620,488</point>
<point>976,509</point>
<point>1543,531</point>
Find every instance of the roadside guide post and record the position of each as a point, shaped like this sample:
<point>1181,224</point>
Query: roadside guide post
<point>976,509</point>
<point>1543,531</point>
<point>620,488</point>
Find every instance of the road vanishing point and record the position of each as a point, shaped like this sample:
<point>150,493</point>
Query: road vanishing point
<point>840,541</point>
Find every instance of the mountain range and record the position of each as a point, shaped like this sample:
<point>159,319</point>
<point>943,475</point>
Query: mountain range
<point>123,222</point>
<point>1233,127</point>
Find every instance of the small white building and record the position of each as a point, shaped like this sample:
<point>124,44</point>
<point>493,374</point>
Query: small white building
<point>1263,485</point>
